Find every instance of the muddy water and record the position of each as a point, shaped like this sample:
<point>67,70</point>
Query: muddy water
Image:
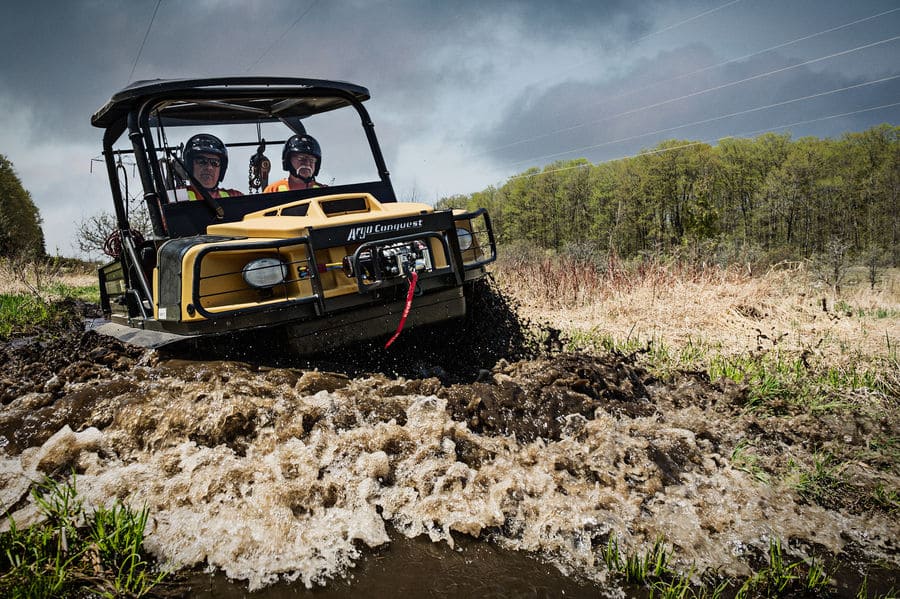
<point>424,470</point>
<point>267,475</point>
<point>419,568</point>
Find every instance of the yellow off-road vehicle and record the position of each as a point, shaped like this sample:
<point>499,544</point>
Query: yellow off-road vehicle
<point>326,265</point>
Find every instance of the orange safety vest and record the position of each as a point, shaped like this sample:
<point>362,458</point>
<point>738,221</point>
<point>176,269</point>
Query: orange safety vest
<point>282,185</point>
<point>219,193</point>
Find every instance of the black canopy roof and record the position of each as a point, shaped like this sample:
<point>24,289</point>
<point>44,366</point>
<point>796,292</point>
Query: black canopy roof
<point>230,99</point>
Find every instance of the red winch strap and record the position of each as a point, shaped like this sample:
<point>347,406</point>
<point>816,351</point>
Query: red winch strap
<point>413,277</point>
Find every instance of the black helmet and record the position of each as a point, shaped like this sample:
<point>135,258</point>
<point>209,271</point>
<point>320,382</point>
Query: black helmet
<point>205,143</point>
<point>301,144</point>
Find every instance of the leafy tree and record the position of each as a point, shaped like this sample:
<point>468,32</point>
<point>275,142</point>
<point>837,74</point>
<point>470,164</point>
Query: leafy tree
<point>20,220</point>
<point>770,197</point>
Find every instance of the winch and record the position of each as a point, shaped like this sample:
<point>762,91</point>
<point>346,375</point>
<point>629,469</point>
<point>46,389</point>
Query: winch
<point>398,259</point>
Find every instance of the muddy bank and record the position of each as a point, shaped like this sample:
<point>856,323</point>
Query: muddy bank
<point>266,471</point>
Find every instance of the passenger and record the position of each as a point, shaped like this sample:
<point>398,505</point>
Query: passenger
<point>206,158</point>
<point>301,158</point>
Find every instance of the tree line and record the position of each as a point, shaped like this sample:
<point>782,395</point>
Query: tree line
<point>20,220</point>
<point>764,199</point>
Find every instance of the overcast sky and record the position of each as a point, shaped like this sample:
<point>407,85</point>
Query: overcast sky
<point>464,94</point>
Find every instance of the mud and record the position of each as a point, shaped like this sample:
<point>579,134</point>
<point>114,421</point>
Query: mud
<point>269,471</point>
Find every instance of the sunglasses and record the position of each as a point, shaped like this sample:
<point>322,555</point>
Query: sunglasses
<point>213,162</point>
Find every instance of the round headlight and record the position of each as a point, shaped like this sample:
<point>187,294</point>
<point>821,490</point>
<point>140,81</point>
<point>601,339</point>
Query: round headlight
<point>465,238</point>
<point>263,273</point>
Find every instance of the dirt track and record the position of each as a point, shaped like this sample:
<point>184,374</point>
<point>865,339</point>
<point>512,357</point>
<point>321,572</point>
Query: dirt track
<point>605,438</point>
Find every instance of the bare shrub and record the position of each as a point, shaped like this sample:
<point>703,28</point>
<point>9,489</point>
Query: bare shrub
<point>40,277</point>
<point>92,233</point>
<point>22,274</point>
<point>832,263</point>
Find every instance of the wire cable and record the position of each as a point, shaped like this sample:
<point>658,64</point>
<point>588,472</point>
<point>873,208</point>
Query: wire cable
<point>757,53</point>
<point>286,31</point>
<point>697,143</point>
<point>144,41</point>
<point>688,20</point>
<point>724,63</point>
<point>657,32</point>
<point>711,119</point>
<point>693,94</point>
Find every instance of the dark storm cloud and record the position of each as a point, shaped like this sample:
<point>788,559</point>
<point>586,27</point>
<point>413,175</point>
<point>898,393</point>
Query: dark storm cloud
<point>64,59</point>
<point>619,117</point>
<point>455,85</point>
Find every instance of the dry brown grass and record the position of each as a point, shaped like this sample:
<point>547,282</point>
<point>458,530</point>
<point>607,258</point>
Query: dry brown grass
<point>30,277</point>
<point>720,308</point>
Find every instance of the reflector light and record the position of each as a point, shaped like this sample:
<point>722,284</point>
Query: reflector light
<point>465,239</point>
<point>263,273</point>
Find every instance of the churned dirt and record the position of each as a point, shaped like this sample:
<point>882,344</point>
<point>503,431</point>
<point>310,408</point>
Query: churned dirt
<point>485,386</point>
<point>514,382</point>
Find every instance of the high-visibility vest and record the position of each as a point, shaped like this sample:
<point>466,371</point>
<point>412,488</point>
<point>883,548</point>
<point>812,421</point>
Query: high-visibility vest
<point>282,185</point>
<point>219,193</point>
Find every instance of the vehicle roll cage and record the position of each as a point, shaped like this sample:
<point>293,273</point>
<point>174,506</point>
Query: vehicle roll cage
<point>144,105</point>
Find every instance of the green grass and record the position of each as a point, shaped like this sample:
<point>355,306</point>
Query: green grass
<point>784,579</point>
<point>76,553</point>
<point>769,378</point>
<point>636,567</point>
<point>18,312</point>
<point>87,293</point>
<point>658,357</point>
<point>743,459</point>
<point>886,499</point>
<point>876,313</point>
<point>863,592</point>
<point>822,482</point>
<point>653,570</point>
<point>776,380</point>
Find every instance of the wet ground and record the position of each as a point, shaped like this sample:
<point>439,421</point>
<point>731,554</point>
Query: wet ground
<point>496,455</point>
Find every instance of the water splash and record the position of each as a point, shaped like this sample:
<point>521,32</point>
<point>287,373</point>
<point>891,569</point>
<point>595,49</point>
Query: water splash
<point>276,473</point>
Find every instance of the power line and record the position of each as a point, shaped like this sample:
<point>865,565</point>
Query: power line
<point>763,51</point>
<point>695,94</point>
<point>658,31</point>
<point>697,143</point>
<point>569,168</point>
<point>711,119</point>
<point>688,20</point>
<point>808,121</point>
<point>144,41</point>
<point>726,62</point>
<point>286,31</point>
<point>759,76</point>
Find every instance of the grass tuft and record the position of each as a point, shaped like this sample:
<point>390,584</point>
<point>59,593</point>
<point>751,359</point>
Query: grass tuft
<point>18,312</point>
<point>73,552</point>
<point>653,571</point>
<point>822,483</point>
<point>784,579</point>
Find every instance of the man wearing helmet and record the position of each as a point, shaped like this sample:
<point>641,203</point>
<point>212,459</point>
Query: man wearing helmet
<point>301,158</point>
<point>206,158</point>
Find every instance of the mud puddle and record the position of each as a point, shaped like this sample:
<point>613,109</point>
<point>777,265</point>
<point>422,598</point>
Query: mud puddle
<point>419,568</point>
<point>270,474</point>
